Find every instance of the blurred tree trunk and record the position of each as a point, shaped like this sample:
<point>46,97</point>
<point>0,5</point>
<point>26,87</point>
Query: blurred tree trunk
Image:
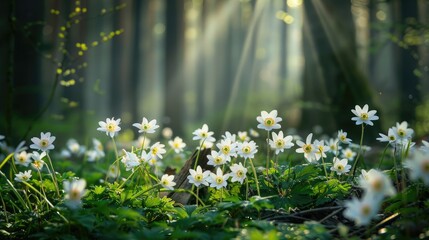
<point>406,13</point>
<point>174,40</point>
<point>332,81</point>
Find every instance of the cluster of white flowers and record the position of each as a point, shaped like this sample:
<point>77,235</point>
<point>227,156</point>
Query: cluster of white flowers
<point>398,136</point>
<point>376,185</point>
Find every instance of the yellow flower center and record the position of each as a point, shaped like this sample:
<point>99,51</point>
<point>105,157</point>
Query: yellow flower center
<point>176,145</point>
<point>218,160</point>
<point>154,151</point>
<point>74,194</point>
<point>246,149</point>
<point>280,143</point>
<point>269,122</point>
<point>364,116</point>
<point>401,132</point>
<point>219,180</point>
<point>391,138</point>
<point>320,149</point>
<point>307,148</point>
<point>240,173</point>
<point>21,159</point>
<point>365,210</point>
<point>199,177</point>
<point>145,127</point>
<point>204,135</point>
<point>340,167</point>
<point>110,127</point>
<point>24,178</point>
<point>44,142</point>
<point>377,185</point>
<point>164,182</point>
<point>343,138</point>
<point>226,149</point>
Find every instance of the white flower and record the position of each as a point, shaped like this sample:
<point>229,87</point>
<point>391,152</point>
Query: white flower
<point>113,171</point>
<point>243,136</point>
<point>91,155</point>
<point>130,160</point>
<point>402,131</point>
<point>363,115</point>
<point>204,144</point>
<point>177,144</point>
<point>391,136</point>
<point>146,126</point>
<point>157,150</point>
<point>307,148</point>
<point>110,127</point>
<point>217,159</point>
<point>218,180</point>
<point>38,162</point>
<point>340,166</point>
<point>23,176</point>
<point>44,143</point>
<point>253,133</point>
<point>98,148</point>
<point>203,133</point>
<point>227,147</point>
<point>229,136</point>
<point>74,191</point>
<point>74,147</point>
<point>333,146</point>
<point>167,181</point>
<point>418,164</point>
<point>342,136</point>
<point>361,211</point>
<point>247,149</point>
<point>167,132</point>
<point>145,157</point>
<point>376,183</point>
<point>269,121</point>
<point>321,149</point>
<point>425,146</point>
<point>198,177</point>
<point>238,173</point>
<point>143,142</point>
<point>280,143</point>
<point>23,158</point>
<point>348,153</point>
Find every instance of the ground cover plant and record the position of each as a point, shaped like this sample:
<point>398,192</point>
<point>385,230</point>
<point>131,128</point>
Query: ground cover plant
<point>256,184</point>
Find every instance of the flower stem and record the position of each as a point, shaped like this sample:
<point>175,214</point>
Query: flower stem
<point>382,156</point>
<point>268,152</point>
<point>6,159</point>
<point>16,192</point>
<point>54,178</point>
<point>198,153</point>
<point>256,177</point>
<point>324,167</point>
<point>116,157</point>
<point>144,191</point>
<point>359,152</point>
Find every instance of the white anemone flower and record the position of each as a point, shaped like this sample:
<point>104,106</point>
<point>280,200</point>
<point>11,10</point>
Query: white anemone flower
<point>418,164</point>
<point>198,177</point>
<point>167,181</point>
<point>218,180</point>
<point>238,173</point>
<point>22,158</point>
<point>38,162</point>
<point>113,171</point>
<point>247,149</point>
<point>23,176</point>
<point>130,160</point>
<point>361,211</point>
<point>269,121</point>
<point>146,126</point>
<point>243,136</point>
<point>307,148</point>
<point>74,191</point>
<point>44,143</point>
<point>227,147</point>
<point>321,149</point>
<point>217,159</point>
<point>280,143</point>
<point>229,136</point>
<point>390,137</point>
<point>340,166</point>
<point>334,146</point>
<point>342,136</point>
<point>403,133</point>
<point>203,133</point>
<point>363,115</point>
<point>177,144</point>
<point>110,127</point>
<point>158,149</point>
<point>377,183</point>
<point>348,153</point>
